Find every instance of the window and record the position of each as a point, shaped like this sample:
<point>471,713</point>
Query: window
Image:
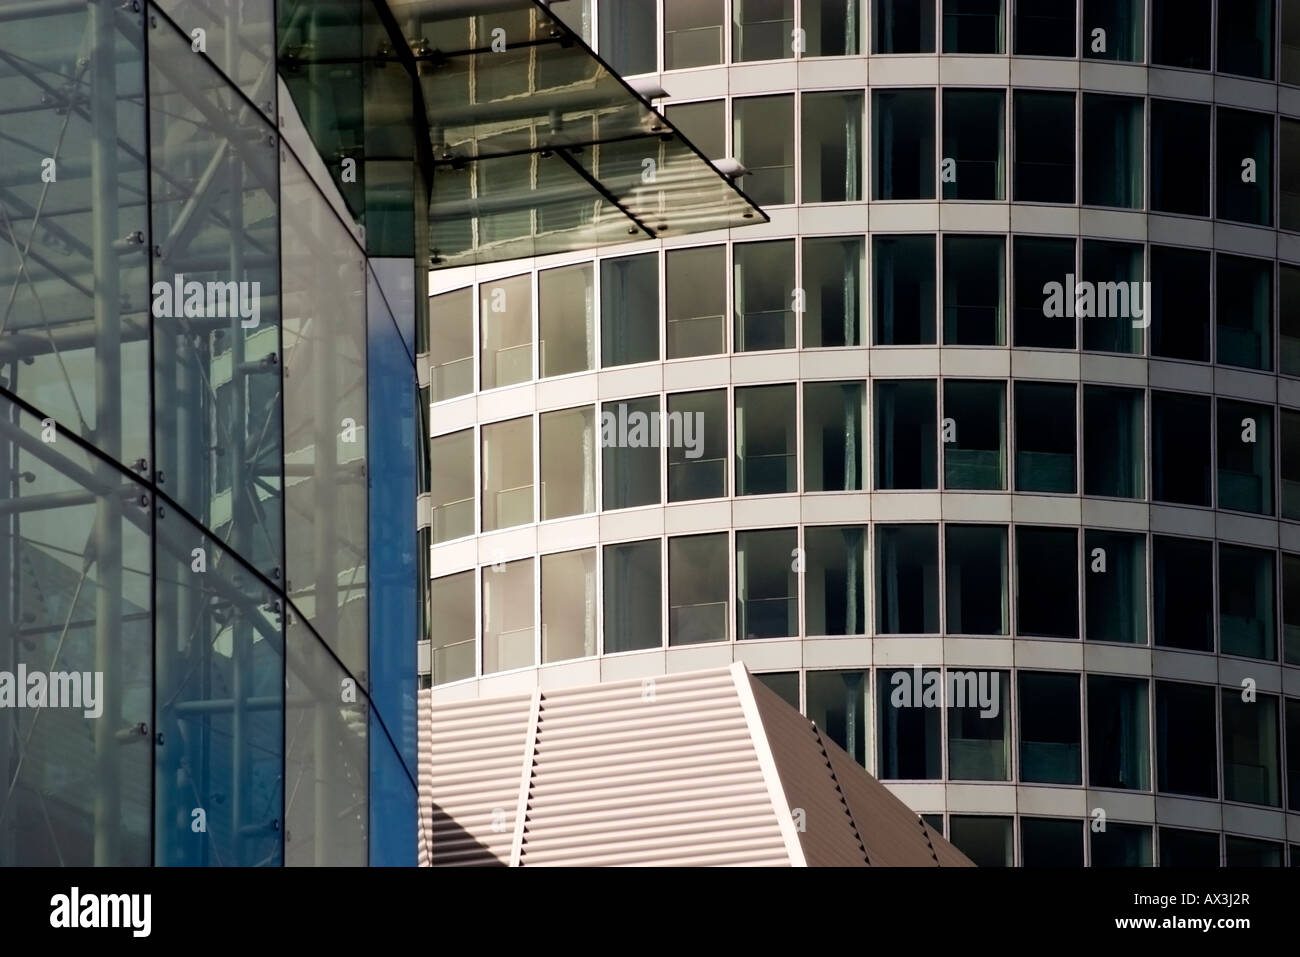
<point>974,290</point>
<point>507,474</point>
<point>831,141</point>
<point>763,138</point>
<point>1289,168</point>
<point>905,448</point>
<point>1291,620</point>
<point>766,440</point>
<point>1180,36</point>
<point>1051,842</point>
<point>452,488</point>
<point>568,457</point>
<point>1119,752</point>
<point>1114,442</point>
<point>696,436</point>
<point>1245,167</point>
<point>1045,28</point>
<point>761,29</point>
<point>624,27</point>
<point>973,137</point>
<point>1180,158</point>
<point>1180,448</point>
<point>1246,457</point>
<point>834,580</point>
<point>907,580</point>
<point>1246,852</point>
<point>1044,170</point>
<point>451,604</point>
<point>1182,848</point>
<point>837,704</point>
<point>451,360</point>
<point>1180,303</point>
<point>1245,32</point>
<point>1183,596</point>
<point>986,840</point>
<point>703,124</point>
<point>1250,749</point>
<point>508,617</point>
<point>832,283</point>
<point>974,432</point>
<point>979,708</point>
<point>1289,318</point>
<point>1293,758</point>
<point>903,26</point>
<point>764,296</point>
<point>1116,573</point>
<point>1291,74</point>
<point>1247,590</point>
<point>1045,437</point>
<point>692,33</point>
<point>568,605</point>
<point>903,167</point>
<point>696,314</point>
<point>784,683</point>
<point>1113,134</point>
<point>1047,574</point>
<point>1185,730</point>
<point>909,742</point>
<point>972,26</point>
<point>506,331</point>
<point>1121,845</point>
<point>1050,737</point>
<point>767,586</point>
<point>831,27</point>
<point>903,268</point>
<point>1113,304</point>
<point>1043,321</point>
<point>1112,30</point>
<point>697,589</point>
<point>976,579</point>
<point>832,436</point>
<point>630,440</point>
<point>1243,312</point>
<point>566,314</point>
<point>633,592</point>
<point>629,310</point>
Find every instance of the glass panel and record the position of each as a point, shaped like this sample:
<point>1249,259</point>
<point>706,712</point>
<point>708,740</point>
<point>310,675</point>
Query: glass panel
<point>831,142</point>
<point>1245,457</point>
<point>1045,160</point>
<point>239,40</point>
<point>633,594</point>
<point>704,124</point>
<point>696,315</point>
<point>452,497</point>
<point>1112,30</point>
<point>1121,845</point>
<point>833,291</point>
<point>1050,739</point>
<point>974,433</point>
<point>1045,28</point>
<point>1291,621</point>
<point>1114,442</point>
<point>1185,730</point>
<point>1047,576</point>
<point>692,33</point>
<point>1180,448</point>
<point>451,362</point>
<point>837,704</point>
<point>1180,157</point>
<point>506,331</point>
<point>1116,599</point>
<point>767,586</point>
<point>984,839</point>
<point>1113,299</point>
<point>903,126</point>
<point>979,722</point>
<point>630,440</point>
<point>1180,36</point>
<point>453,654</point>
<point>907,580</point>
<point>1180,303</point>
<point>1247,599</point>
<point>831,27</point>
<point>976,579</point>
<point>698,569</point>
<point>1045,315</point>
<point>1243,314</point>
<point>629,310</point>
<point>1293,758</point>
<point>1245,162</point>
<point>909,738</point>
<point>761,30</point>
<point>905,440</point>
<point>1291,75</point>
<point>832,436</point>
<point>1245,32</point>
<point>1289,318</point>
<point>903,271</point>
<point>765,296</point>
<point>568,462</point>
<point>1046,437</point>
<point>835,580</point>
<point>973,135</point>
<point>903,26</point>
<point>784,683</point>
<point>509,620</point>
<point>763,141</point>
<point>1180,848</point>
<point>1250,750</point>
<point>1183,593</point>
<point>1289,175</point>
<point>507,464</point>
<point>624,27</point>
<point>1245,852</point>
<point>697,456</point>
<point>1113,133</point>
<point>1118,742</point>
<point>1051,842</point>
<point>972,26</point>
<point>568,605</point>
<point>974,290</point>
<point>566,325</point>
<point>766,440</point>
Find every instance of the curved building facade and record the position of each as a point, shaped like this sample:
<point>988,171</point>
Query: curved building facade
<point>983,452</point>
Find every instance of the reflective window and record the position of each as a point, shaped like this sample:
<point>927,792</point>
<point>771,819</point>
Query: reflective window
<point>451,604</point>
<point>979,722</point>
<point>625,26</point>
<point>1121,845</point>
<point>566,320</point>
<point>1183,593</point>
<point>568,462</point>
<point>903,126</point>
<point>1244,159</point>
<point>974,290</point>
<point>1183,848</point>
<point>1119,753</point>
<point>1113,135</point>
<point>837,704</point>
<point>1114,442</point>
<point>974,132</point>
<point>692,33</point>
<point>1180,448</point>
<point>831,141</point>
<point>833,291</point>
<point>903,271</point>
<point>1245,443</point>
<point>1247,852</point>
<point>1180,36</point>
<point>1113,303</point>
<point>908,736</point>
<point>1251,760</point>
<point>1245,32</point>
<point>1185,731</point>
<point>697,589</point>
<point>506,331</point>
<point>832,436</point>
<point>509,621</point>
<point>1247,596</point>
<point>973,26</point>
<point>1045,437</point>
<point>974,434</point>
<point>905,441</point>
<point>703,124</point>
<point>985,839</point>
<point>1050,737</point>
<point>765,296</point>
<point>1293,757</point>
<point>1291,622</point>
<point>451,344</point>
<point>1051,842</point>
<point>696,436</point>
<point>1291,75</point>
<point>630,440</point>
<point>975,577</point>
<point>568,605</point>
<point>784,683</point>
<point>1180,303</point>
<point>1243,314</point>
<point>1047,582</point>
<point>1112,30</point>
<point>1045,314</point>
<point>507,464</point>
<point>633,593</point>
<point>834,580</point>
<point>1180,157</point>
<point>1045,28</point>
<point>763,141</point>
<point>629,310</point>
<point>1289,174</point>
<point>761,29</point>
<point>1288,282</point>
<point>452,491</point>
<point>696,317</point>
<point>1115,574</point>
<point>1044,170</point>
<point>767,585</point>
<point>903,26</point>
<point>831,27</point>
<point>907,580</point>
<point>766,440</point>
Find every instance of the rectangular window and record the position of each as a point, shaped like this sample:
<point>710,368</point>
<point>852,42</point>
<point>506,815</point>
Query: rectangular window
<point>1112,30</point>
<point>905,447</point>
<point>903,26</point>
<point>1250,750</point>
<point>834,580</point>
<point>629,310</point>
<point>630,440</point>
<point>1289,170</point>
<point>986,840</point>
<point>837,704</point>
<point>1291,618</point>
<point>1180,158</point>
<point>566,320</point>
<point>633,591</point>
<point>1045,28</point>
<point>452,490</point>
<point>831,142</point>
<point>568,457</point>
<point>975,579</point>
<point>1051,842</point>
<point>763,140</point>
<point>568,605</point>
<point>1119,744</point>
<point>831,27</point>
<point>1180,448</point>
<point>509,624</point>
<point>784,683</point>
<point>1180,303</point>
<point>1116,575</point>
<point>1244,312</point>
<point>974,290</point>
<point>907,579</point>
<point>451,359</point>
<point>1182,848</point>
<point>1113,135</point>
<point>1183,593</point>
<point>764,296</point>
<point>903,272</point>
<point>1113,305</point>
<point>903,126</point>
<point>1185,730</point>
<point>452,655</point>
<point>1044,141</point>
<point>1180,36</point>
<point>1047,582</point>
<point>1040,321</point>
<point>1293,759</point>
<point>692,33</point>
<point>909,737</point>
<point>972,26</point>
<point>1246,852</point>
<point>1121,845</point>
<point>974,434</point>
<point>1046,437</point>
<point>979,709</point>
<point>506,331</point>
<point>1051,741</point>
<point>1246,457</point>
<point>1291,75</point>
<point>1245,167</point>
<point>697,445</point>
<point>766,440</point>
<point>624,27</point>
<point>507,474</point>
<point>1245,32</point>
<point>973,136</point>
<point>767,586</point>
<point>1247,596</point>
<point>1114,442</point>
<point>1288,310</point>
<point>704,124</point>
<point>833,291</point>
<point>832,436</point>
<point>696,312</point>
<point>761,30</point>
<point>697,589</point>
